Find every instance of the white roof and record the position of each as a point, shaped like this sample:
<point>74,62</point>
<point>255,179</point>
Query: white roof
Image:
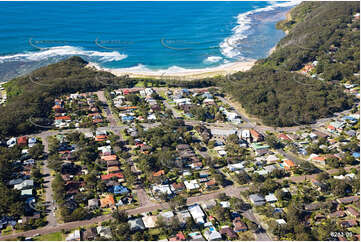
<point>246,133</point>
<point>281,221</point>
<point>193,184</point>
<point>73,236</point>
<point>222,152</point>
<point>237,166</point>
<point>150,221</point>
<point>272,158</point>
<point>262,172</point>
<point>196,212</point>
<point>168,214</point>
<point>223,132</point>
<point>225,204</point>
<point>270,198</point>
<point>162,189</point>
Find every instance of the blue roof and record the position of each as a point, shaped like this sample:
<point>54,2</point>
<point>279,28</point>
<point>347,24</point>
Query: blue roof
<point>119,189</point>
<point>349,118</point>
<point>356,154</point>
<point>127,118</point>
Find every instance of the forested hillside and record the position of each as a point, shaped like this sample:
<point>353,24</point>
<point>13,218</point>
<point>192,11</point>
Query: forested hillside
<point>33,95</point>
<point>323,37</point>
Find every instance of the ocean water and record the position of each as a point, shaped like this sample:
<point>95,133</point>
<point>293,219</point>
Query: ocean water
<point>158,36</point>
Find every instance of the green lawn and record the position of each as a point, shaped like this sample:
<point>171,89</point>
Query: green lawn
<point>155,231</point>
<point>57,236</point>
<point>8,230</point>
<point>355,230</point>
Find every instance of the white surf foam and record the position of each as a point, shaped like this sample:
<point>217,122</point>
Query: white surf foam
<point>229,46</point>
<point>212,59</point>
<point>61,51</point>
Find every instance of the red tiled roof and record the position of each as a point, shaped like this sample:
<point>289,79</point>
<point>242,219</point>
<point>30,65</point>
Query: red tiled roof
<point>109,176</point>
<point>108,200</point>
<point>63,118</point>
<point>283,136</point>
<point>159,173</point>
<point>100,138</point>
<point>290,163</point>
<point>23,140</point>
<point>109,157</point>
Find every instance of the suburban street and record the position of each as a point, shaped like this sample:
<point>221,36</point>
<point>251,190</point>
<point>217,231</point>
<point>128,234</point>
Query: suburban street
<point>146,204</point>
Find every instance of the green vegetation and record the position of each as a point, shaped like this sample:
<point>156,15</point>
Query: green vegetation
<point>57,236</point>
<point>31,97</point>
<point>323,32</point>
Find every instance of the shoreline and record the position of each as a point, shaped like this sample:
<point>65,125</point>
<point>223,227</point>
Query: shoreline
<point>184,74</point>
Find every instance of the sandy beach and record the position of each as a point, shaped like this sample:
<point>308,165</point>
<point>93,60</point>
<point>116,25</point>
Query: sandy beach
<point>185,74</point>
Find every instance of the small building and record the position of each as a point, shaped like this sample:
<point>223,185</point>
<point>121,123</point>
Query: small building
<point>211,234</point>
<point>104,232</point>
<point>353,212</point>
<point>93,203</point>
<point>257,199</point>
<point>89,234</point>
<point>271,198</point>
<point>239,225</point>
<point>74,236</point>
<point>229,233</point>
<point>348,200</point>
<point>197,213</point>
<point>107,201</point>
<point>23,140</point>
<point>281,221</point>
<point>136,224</point>
<point>150,221</point>
<point>235,167</point>
<point>208,204</point>
<point>183,217</point>
<point>191,185</point>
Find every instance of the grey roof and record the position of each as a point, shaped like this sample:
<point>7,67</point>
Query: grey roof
<point>136,224</point>
<point>257,199</point>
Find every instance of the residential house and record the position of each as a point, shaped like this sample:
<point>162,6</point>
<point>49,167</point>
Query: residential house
<point>104,232</point>
<point>93,203</point>
<point>337,214</point>
<point>161,189</point>
<point>150,221</point>
<point>208,204</point>
<point>74,236</point>
<point>257,199</point>
<point>259,148</point>
<point>228,233</point>
<point>136,224</point>
<point>25,184</point>
<point>23,140</point>
<point>271,198</point>
<point>107,201</point>
<point>353,212</point>
<point>177,187</point>
<point>167,216</point>
<point>89,234</point>
<point>235,167</point>
<point>222,133</point>
<point>239,225</point>
<point>191,185</point>
<point>211,183</point>
<point>348,223</point>
<point>256,136</point>
<point>183,217</point>
<point>109,176</point>
<point>197,213</point>
<point>178,237</point>
<point>211,234</point>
